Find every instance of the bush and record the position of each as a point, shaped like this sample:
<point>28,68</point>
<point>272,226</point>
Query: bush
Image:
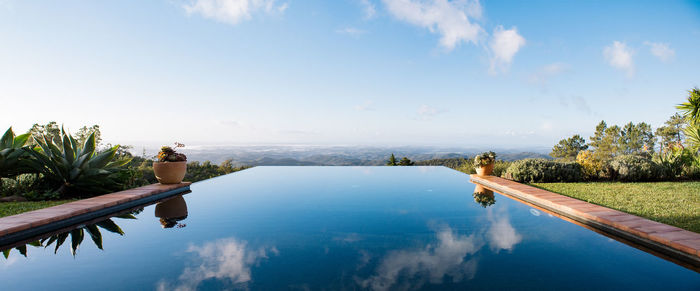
<point>593,167</point>
<point>500,167</point>
<point>636,168</point>
<point>541,170</point>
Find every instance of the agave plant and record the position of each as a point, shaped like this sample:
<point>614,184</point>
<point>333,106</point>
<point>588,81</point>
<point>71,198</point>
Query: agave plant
<point>80,169</point>
<point>13,154</point>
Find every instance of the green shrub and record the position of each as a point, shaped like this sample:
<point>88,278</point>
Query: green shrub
<point>636,168</point>
<point>500,167</point>
<point>541,170</point>
<point>674,161</point>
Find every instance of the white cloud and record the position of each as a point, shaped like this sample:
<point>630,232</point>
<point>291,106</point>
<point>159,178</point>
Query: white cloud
<point>233,11</point>
<point>351,31</point>
<point>223,259</point>
<point>503,46</point>
<point>370,9</point>
<point>449,19</point>
<point>619,56</point>
<point>661,50</point>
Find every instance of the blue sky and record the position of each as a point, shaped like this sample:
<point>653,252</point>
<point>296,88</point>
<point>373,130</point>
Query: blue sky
<point>374,72</point>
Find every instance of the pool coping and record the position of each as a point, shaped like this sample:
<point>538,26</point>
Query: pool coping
<point>32,223</point>
<point>669,240</point>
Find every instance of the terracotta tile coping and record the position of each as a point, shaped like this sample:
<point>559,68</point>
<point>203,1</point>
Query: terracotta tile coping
<point>17,227</point>
<point>671,241</point>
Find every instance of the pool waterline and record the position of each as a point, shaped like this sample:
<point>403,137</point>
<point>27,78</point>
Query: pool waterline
<point>367,227</point>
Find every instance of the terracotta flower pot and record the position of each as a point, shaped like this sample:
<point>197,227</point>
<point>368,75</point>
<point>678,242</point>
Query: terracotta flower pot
<point>485,170</point>
<point>170,172</point>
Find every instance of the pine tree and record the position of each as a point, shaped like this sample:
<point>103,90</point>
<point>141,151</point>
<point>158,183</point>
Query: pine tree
<point>392,161</point>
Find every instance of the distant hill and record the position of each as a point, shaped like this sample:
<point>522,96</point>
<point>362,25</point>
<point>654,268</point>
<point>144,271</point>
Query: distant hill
<point>342,155</point>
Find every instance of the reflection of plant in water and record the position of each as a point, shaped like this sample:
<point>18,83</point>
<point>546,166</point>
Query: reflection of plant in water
<point>483,196</point>
<point>484,199</point>
<point>77,235</point>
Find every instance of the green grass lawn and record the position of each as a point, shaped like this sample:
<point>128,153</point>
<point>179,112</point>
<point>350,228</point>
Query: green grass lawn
<point>12,208</point>
<point>674,203</point>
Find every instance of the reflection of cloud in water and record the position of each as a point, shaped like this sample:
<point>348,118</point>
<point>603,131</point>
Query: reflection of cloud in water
<point>431,264</point>
<point>501,234</point>
<point>225,259</point>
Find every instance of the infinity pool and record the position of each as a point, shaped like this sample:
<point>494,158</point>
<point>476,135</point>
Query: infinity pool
<point>336,228</point>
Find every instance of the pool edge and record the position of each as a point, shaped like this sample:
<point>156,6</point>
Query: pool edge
<point>663,238</point>
<point>32,223</point>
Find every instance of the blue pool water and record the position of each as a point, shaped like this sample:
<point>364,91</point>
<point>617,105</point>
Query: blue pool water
<point>336,228</point>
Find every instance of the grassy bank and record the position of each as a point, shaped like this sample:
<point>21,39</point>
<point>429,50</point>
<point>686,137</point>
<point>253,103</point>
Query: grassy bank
<point>12,208</point>
<point>673,203</point>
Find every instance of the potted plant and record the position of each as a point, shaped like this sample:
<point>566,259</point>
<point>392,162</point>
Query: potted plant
<point>171,166</point>
<point>484,162</point>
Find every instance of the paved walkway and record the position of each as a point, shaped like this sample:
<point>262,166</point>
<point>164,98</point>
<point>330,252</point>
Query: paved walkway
<point>667,239</point>
<point>17,227</point>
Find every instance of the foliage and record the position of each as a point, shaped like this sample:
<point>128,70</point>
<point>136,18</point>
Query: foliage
<point>569,148</point>
<point>593,168</point>
<point>392,161</point>
<point>500,167</point>
<point>484,199</point>
<point>671,133</point>
<point>168,154</point>
<point>406,162</point>
<point>605,141</point>
<point>29,186</point>
<point>674,203</point>
<point>50,131</point>
<point>78,169</point>
<point>541,170</point>
<point>454,163</point>
<point>14,156</point>
<point>484,159</point>
<point>636,168</point>
<point>674,160</point>
<point>691,108</point>
<point>636,138</point>
<point>691,112</point>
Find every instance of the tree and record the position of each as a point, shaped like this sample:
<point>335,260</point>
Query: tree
<point>636,138</point>
<point>671,133</point>
<point>405,162</point>
<point>569,148</point>
<point>84,132</point>
<point>392,161</point>
<point>606,141</point>
<point>51,131</point>
<point>691,112</point>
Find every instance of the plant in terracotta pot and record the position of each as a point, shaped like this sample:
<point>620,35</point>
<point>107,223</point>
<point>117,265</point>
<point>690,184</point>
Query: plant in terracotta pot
<point>171,166</point>
<point>484,162</point>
